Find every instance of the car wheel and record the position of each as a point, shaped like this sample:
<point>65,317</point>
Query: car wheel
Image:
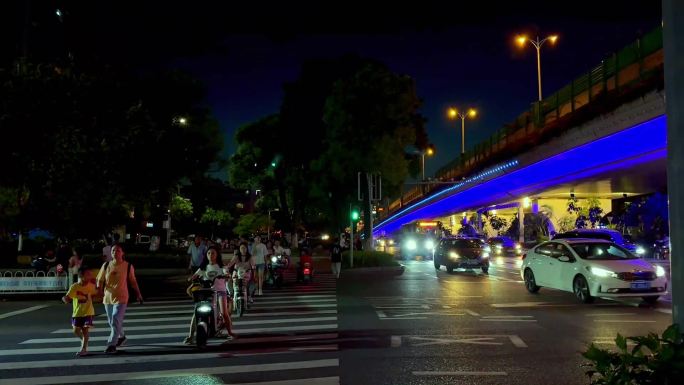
<point>651,299</point>
<point>450,269</point>
<point>530,282</point>
<point>581,289</point>
<point>437,265</point>
<point>485,269</point>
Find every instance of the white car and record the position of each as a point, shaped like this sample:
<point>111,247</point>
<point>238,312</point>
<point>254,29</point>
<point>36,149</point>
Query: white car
<point>591,268</point>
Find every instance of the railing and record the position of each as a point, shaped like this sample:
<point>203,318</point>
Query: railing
<point>621,77</point>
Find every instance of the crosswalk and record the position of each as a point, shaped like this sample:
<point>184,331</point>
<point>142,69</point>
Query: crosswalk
<point>288,336</point>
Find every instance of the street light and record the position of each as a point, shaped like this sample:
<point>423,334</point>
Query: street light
<point>522,39</point>
<point>429,152</point>
<point>268,224</point>
<point>454,113</point>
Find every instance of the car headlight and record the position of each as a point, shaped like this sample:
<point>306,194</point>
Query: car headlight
<point>391,242</point>
<point>485,255</point>
<point>411,244</point>
<point>453,255</point>
<point>599,272</point>
<point>640,250</point>
<point>204,308</point>
<point>488,249</point>
<point>429,244</point>
<point>517,246</point>
<point>381,242</point>
<point>274,259</point>
<point>660,272</point>
<point>499,247</point>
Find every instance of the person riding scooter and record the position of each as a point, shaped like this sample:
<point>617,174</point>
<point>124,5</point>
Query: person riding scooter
<point>305,268</point>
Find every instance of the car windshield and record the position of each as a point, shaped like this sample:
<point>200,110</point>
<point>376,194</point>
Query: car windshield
<point>464,243</point>
<point>601,251</point>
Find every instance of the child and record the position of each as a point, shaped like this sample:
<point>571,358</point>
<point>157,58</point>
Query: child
<point>80,294</point>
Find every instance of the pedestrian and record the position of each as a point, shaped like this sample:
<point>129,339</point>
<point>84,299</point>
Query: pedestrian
<point>212,268</point>
<point>75,263</point>
<point>336,258</point>
<point>198,253</point>
<point>259,252</point>
<point>114,279</point>
<point>80,295</point>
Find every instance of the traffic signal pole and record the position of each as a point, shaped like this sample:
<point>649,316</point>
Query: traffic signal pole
<point>351,240</point>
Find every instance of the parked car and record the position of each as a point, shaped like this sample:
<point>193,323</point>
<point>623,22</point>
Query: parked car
<point>462,252</point>
<point>504,246</point>
<point>605,234</point>
<point>592,268</point>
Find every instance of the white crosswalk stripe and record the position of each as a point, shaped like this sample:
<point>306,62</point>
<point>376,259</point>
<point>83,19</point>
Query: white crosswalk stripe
<point>291,329</point>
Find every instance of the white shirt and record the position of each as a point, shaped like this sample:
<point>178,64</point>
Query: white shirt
<point>259,251</point>
<point>278,250</point>
<point>211,272</point>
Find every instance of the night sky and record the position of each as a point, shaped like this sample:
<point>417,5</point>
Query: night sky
<point>458,54</point>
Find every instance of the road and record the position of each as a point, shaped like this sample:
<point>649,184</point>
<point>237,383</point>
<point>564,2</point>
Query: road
<point>424,327</point>
<point>471,328</point>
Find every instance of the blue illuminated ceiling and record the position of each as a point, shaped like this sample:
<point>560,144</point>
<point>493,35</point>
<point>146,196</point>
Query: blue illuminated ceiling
<point>640,144</point>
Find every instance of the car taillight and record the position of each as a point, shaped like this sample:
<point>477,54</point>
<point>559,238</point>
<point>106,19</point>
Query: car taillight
<point>307,271</point>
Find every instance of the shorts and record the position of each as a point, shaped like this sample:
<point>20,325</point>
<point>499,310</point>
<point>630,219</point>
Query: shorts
<point>82,322</point>
<point>220,294</point>
<point>261,266</point>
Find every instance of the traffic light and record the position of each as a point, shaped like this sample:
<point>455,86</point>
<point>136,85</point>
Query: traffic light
<point>354,215</point>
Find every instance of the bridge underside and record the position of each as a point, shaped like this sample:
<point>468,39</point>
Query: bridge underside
<point>627,163</point>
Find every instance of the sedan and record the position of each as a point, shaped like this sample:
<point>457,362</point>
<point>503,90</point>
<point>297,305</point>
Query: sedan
<point>456,252</point>
<point>504,246</point>
<point>592,268</point>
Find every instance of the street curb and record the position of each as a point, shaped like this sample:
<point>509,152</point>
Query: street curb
<point>383,271</point>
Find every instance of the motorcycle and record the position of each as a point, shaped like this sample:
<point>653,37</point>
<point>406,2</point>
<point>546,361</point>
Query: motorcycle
<point>276,268</point>
<point>208,319</point>
<point>305,272</point>
<point>239,296</point>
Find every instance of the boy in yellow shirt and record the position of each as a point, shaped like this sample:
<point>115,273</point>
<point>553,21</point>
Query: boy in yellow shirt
<point>80,295</point>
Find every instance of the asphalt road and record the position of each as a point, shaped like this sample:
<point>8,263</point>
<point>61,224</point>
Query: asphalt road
<point>424,327</point>
<point>471,328</point>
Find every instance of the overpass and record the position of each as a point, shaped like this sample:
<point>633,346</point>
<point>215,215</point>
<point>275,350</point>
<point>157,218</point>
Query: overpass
<point>600,140</point>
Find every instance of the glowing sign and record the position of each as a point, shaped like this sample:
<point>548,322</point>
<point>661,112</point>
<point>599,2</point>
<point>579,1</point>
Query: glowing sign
<point>427,224</point>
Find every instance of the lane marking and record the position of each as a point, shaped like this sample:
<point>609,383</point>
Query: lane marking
<point>472,313</point>
<point>625,321</point>
<point>507,316</point>
<point>22,311</point>
<point>304,381</point>
<point>186,324</point>
<point>256,305</point>
<point>440,373</point>
<point>287,313</point>
<point>178,335</point>
<point>400,318</point>
<point>609,314</point>
<point>99,359</point>
<point>517,341</point>
<point>508,320</point>
<point>176,345</point>
<point>108,377</point>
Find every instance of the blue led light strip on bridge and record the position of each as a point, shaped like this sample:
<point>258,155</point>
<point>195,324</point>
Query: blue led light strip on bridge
<point>635,145</point>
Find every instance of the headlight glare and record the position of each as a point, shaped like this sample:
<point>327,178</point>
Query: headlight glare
<point>204,308</point>
<point>599,272</point>
<point>640,250</point>
<point>453,255</point>
<point>429,244</point>
<point>411,244</point>
<point>660,271</point>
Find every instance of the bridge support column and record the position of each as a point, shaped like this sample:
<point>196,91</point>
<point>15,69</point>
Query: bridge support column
<point>673,43</point>
<point>521,223</point>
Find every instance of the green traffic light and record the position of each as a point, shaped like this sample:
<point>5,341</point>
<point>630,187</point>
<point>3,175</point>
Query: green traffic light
<point>355,215</point>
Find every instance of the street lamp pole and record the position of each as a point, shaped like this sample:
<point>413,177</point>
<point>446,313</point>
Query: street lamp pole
<point>537,44</point>
<point>455,113</point>
<point>422,167</point>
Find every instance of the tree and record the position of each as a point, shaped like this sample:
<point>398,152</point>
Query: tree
<point>215,218</point>
<point>91,146</point>
<point>371,118</point>
<point>252,223</point>
<point>180,207</point>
